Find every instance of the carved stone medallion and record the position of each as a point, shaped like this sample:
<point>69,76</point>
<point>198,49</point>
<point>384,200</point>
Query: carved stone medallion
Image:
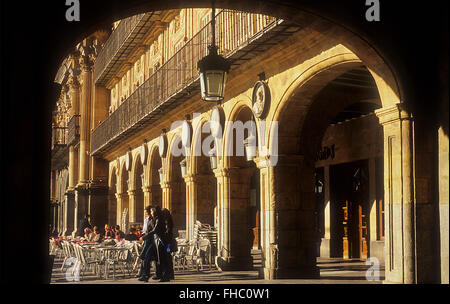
<point>260,99</point>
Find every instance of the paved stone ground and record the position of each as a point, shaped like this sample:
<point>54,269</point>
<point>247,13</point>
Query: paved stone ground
<point>332,271</point>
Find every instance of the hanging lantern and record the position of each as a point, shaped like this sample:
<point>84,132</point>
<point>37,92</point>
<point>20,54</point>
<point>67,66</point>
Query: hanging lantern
<point>213,69</point>
<point>250,147</point>
<point>183,167</point>
<point>161,174</point>
<point>142,179</point>
<point>213,159</point>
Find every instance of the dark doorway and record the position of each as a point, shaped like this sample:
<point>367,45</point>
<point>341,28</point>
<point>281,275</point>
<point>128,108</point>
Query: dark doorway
<point>349,185</point>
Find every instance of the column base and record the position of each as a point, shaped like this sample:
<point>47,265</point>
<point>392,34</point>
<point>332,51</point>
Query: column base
<point>311,272</point>
<point>234,263</point>
<point>325,250</point>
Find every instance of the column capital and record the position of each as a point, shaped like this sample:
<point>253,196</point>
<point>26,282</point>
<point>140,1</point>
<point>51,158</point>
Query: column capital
<point>86,63</point>
<point>393,114</point>
<point>191,178</point>
<point>73,82</point>
<point>166,185</point>
<point>120,195</point>
<point>146,189</point>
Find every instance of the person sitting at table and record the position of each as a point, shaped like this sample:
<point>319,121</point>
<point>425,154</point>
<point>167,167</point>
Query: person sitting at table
<point>108,232</point>
<point>132,235</point>
<point>88,234</point>
<point>97,236</point>
<point>83,223</point>
<point>139,232</point>
<point>118,233</point>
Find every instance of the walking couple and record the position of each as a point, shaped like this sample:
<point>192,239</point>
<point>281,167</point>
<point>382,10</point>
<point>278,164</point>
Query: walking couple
<point>158,244</point>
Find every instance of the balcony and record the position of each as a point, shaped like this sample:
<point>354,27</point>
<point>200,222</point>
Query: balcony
<point>59,156</point>
<point>125,42</point>
<point>178,78</point>
<point>73,130</point>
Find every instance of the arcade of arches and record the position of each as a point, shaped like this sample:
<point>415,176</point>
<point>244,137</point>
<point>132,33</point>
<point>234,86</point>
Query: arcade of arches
<point>346,174</point>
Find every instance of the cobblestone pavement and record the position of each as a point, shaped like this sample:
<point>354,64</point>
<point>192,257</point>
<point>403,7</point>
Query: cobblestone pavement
<point>332,271</point>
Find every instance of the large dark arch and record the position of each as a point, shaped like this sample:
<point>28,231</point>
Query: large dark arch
<point>396,37</point>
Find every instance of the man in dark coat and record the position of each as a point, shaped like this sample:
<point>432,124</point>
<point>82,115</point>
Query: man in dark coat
<point>82,224</point>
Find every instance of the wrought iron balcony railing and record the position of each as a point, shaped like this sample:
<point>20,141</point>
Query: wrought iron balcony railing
<point>239,37</point>
<point>73,130</point>
<point>113,46</point>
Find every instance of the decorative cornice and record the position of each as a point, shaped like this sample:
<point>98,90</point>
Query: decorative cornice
<point>393,114</point>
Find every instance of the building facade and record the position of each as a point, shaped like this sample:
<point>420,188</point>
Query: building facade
<point>341,169</point>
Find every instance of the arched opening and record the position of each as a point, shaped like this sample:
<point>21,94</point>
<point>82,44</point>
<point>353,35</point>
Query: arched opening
<point>124,205</point>
<point>177,186</point>
<point>206,183</point>
<point>155,191</point>
<point>244,191</point>
<point>112,199</point>
<point>138,208</point>
<point>335,148</point>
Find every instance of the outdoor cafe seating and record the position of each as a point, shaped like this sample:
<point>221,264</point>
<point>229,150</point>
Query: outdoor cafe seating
<point>113,258</point>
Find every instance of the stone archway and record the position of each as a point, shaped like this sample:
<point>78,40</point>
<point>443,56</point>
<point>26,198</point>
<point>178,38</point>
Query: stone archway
<point>235,176</point>
<point>201,184</point>
<point>153,191</point>
<point>112,198</point>
<point>174,187</point>
<point>136,193</point>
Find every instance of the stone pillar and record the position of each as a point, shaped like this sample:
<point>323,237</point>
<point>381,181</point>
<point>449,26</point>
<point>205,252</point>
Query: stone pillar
<point>293,247</point>
<point>234,204</point>
<point>120,198</point>
<point>81,204</point>
<point>166,195</point>
<point>85,115</point>
<point>325,250</point>
<point>147,195</point>
<point>223,205</point>
<point>69,212</point>
<point>112,208</point>
<point>400,266</point>
<point>74,87</point>
<point>376,248</point>
<point>98,204</point>
<point>132,204</point>
<point>191,204</point>
<point>443,203</point>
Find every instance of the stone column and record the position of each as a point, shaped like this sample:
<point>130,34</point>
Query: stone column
<point>293,248</point>
<point>98,204</point>
<point>69,212</point>
<point>443,203</point>
<point>120,197</point>
<point>85,115</point>
<point>132,204</point>
<point>234,203</point>
<point>191,204</point>
<point>81,204</point>
<point>376,248</point>
<point>223,200</point>
<point>400,248</point>
<point>166,188</point>
<point>325,243</point>
<point>74,87</point>
<point>147,195</point>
